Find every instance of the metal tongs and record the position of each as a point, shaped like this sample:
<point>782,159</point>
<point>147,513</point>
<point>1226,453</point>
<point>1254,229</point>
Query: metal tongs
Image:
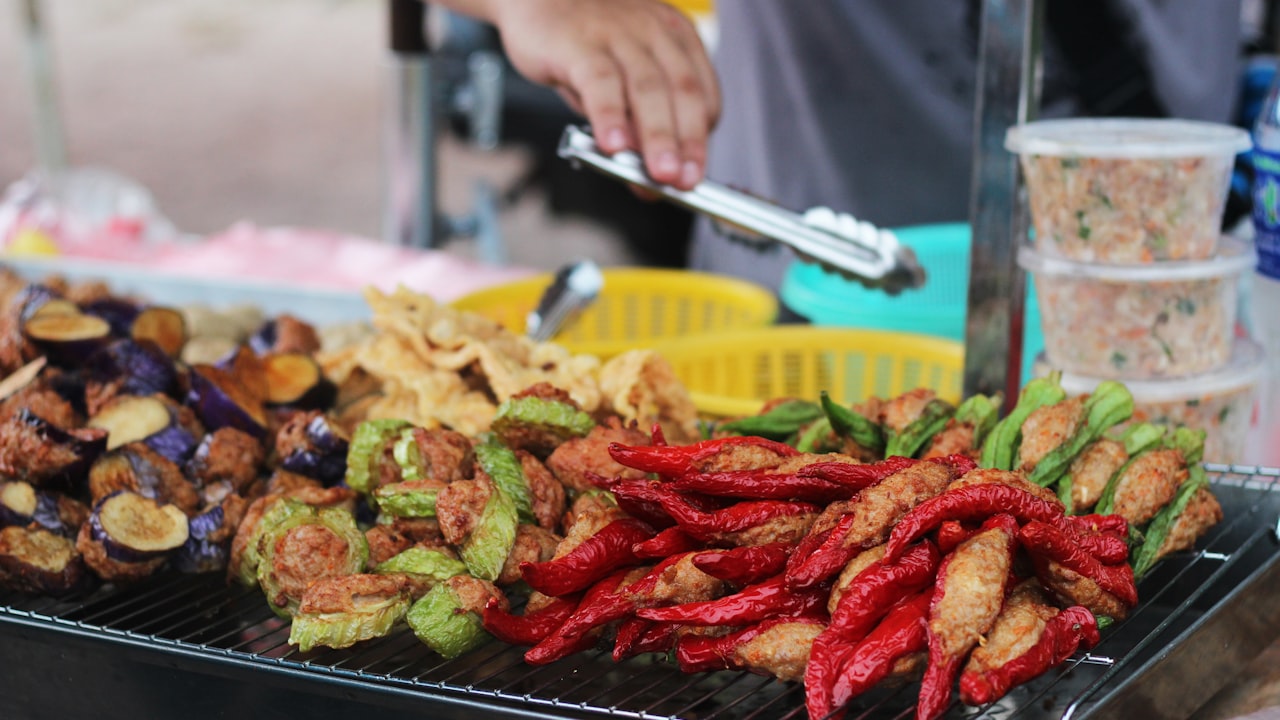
<point>840,243</point>
<point>572,289</point>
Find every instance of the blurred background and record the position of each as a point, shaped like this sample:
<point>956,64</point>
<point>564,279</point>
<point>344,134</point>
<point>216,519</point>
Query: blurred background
<point>272,111</point>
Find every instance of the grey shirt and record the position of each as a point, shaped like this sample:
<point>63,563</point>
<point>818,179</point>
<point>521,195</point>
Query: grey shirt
<point>866,106</point>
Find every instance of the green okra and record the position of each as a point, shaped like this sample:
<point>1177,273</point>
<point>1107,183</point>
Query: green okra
<point>932,419</point>
<point>780,421</point>
<point>1109,404</point>
<point>504,467</point>
<point>1001,445</point>
<point>486,548</point>
<point>981,412</point>
<point>440,621</point>
<point>849,424</point>
<point>365,451</point>
<point>1144,556</point>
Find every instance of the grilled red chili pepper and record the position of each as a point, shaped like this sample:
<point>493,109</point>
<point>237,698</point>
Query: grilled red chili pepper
<point>971,502</point>
<point>705,525</point>
<point>597,556</point>
<point>675,460</point>
<point>1063,634</point>
<point>839,670</point>
<point>754,603</point>
<point>762,485</point>
<point>826,560</point>
<point>637,636</point>
<point>856,477</point>
<point>1106,545</point>
<point>951,533</point>
<point>744,565</point>
<point>1046,540</point>
<point>601,604</point>
<point>666,543</point>
<point>877,588</point>
<point>704,653</point>
<point>961,464</point>
<point>657,438</point>
<point>530,628</point>
<point>1101,523</point>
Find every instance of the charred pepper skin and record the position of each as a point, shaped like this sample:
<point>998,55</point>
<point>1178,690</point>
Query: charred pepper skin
<point>972,502</point>
<point>596,557</point>
<point>744,565</point>
<point>528,629</point>
<point>1048,541</point>
<point>1072,629</point>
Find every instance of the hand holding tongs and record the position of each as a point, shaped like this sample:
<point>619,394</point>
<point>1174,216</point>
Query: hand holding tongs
<point>839,242</point>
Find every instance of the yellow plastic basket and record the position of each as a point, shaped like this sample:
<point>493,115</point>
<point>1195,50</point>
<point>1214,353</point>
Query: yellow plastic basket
<point>734,373</point>
<point>636,308</point>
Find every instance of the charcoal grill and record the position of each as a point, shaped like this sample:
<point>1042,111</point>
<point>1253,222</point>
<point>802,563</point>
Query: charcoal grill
<point>193,647</point>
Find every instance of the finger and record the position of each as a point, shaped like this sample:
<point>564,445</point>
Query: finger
<point>650,99</point>
<point>688,107</point>
<point>598,83</point>
<point>686,34</point>
<point>570,98</point>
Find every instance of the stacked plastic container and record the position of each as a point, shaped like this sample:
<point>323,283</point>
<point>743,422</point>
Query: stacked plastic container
<point>1134,279</point>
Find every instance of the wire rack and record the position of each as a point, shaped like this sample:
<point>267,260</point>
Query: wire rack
<point>153,647</point>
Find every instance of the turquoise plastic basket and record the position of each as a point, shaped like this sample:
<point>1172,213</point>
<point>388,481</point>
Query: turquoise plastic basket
<point>938,308</point>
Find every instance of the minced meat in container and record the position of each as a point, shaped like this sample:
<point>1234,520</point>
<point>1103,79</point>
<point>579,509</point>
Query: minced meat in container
<point>1127,190</point>
<point>1139,321</point>
<point>1221,402</point>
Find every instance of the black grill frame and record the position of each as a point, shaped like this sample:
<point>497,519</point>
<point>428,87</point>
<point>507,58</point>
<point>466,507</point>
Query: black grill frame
<point>216,650</point>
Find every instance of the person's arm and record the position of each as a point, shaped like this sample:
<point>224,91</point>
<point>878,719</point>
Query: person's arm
<point>635,68</point>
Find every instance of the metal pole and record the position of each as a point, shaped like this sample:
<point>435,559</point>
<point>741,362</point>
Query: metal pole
<point>1008,93</point>
<point>51,151</point>
<point>409,214</point>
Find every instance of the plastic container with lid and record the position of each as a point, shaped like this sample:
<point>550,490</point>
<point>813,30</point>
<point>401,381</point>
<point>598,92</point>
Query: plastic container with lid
<point>1222,403</point>
<point>1127,190</point>
<point>1143,321</point>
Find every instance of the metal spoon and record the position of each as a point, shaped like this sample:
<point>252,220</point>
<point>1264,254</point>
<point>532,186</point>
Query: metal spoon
<point>574,287</point>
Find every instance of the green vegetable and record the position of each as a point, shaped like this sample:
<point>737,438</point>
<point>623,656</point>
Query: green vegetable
<point>1145,555</point>
<point>1141,437</point>
<point>782,420</point>
<point>1001,445</point>
<point>424,563</point>
<point>1065,486</point>
<point>408,456</point>
<point>507,473</point>
<point>247,571</point>
<point>1188,442</point>
<point>981,412</point>
<point>813,438</point>
<point>852,425</point>
<point>1110,403</point>
<point>365,452</point>
<point>373,617</point>
<point>546,416</point>
<point>485,550</point>
<point>932,419</point>
<point>338,521</point>
<point>439,620</point>
<point>409,499</point>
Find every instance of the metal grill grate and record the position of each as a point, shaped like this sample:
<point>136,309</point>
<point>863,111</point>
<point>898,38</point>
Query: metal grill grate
<point>1158,663</point>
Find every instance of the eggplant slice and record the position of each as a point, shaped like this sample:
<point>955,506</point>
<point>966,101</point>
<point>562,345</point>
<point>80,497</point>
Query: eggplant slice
<point>128,536</point>
<point>35,560</point>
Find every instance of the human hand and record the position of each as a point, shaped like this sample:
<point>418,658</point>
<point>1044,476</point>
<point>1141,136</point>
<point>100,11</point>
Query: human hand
<point>635,68</point>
